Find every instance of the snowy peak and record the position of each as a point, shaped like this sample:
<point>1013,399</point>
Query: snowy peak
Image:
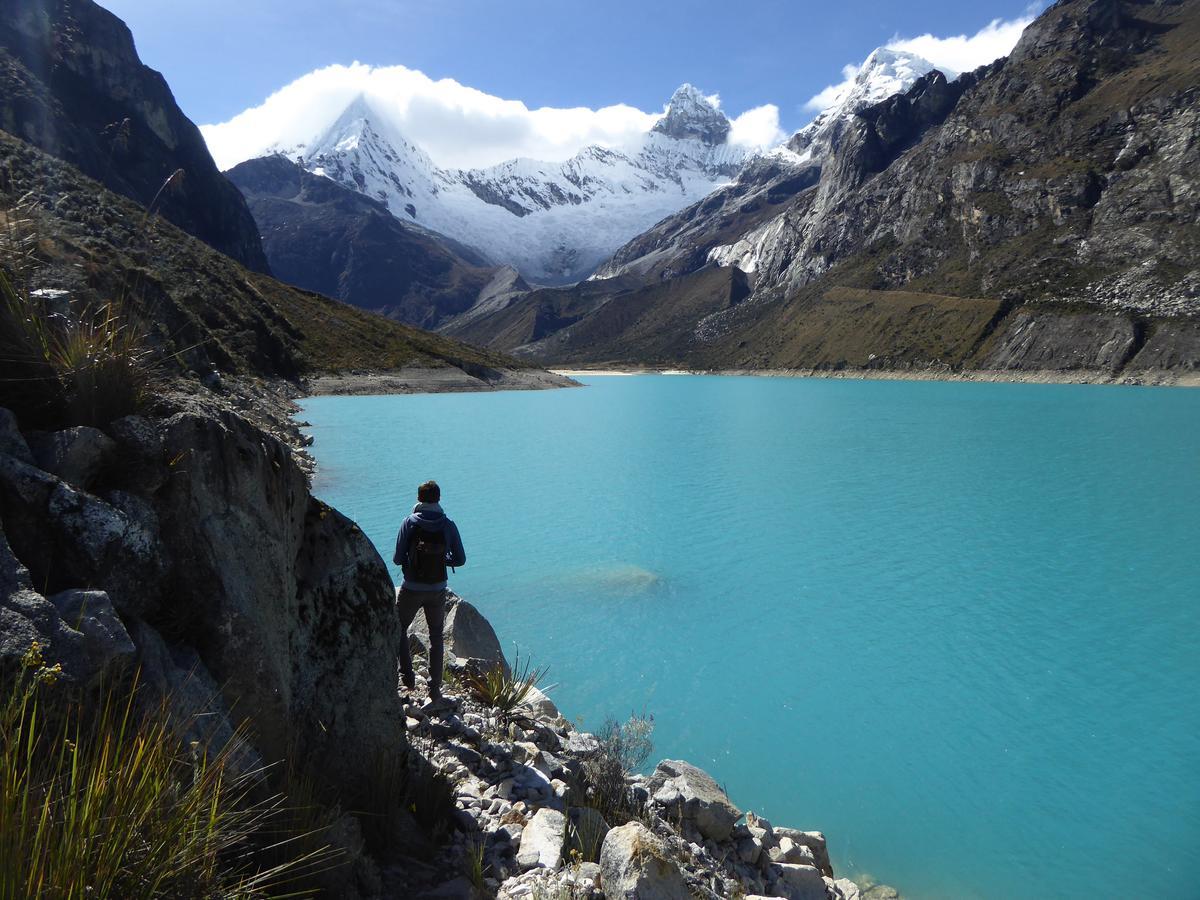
<point>886,72</point>
<point>690,115</point>
<point>883,73</point>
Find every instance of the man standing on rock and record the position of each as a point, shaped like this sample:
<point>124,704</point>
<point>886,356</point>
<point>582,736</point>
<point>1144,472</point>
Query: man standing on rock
<point>428,542</point>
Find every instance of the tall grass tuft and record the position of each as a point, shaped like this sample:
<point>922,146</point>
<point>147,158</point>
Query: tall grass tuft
<point>97,800</point>
<point>66,363</point>
<point>501,690</point>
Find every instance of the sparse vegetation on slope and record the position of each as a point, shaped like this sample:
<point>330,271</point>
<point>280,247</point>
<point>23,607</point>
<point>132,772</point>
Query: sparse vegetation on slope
<point>204,310</point>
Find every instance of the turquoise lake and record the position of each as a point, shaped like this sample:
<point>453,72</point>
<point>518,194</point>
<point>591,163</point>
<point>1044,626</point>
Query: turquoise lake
<point>953,626</point>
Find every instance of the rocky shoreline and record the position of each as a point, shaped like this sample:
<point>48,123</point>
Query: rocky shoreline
<point>516,781</point>
<point>433,380</point>
<point>184,544</point>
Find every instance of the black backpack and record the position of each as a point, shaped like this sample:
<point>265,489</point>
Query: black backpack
<point>427,557</point>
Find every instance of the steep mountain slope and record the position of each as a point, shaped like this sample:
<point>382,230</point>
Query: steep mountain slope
<point>1060,182</point>
<point>71,83</point>
<point>323,237</point>
<point>204,310</point>
<point>552,221</point>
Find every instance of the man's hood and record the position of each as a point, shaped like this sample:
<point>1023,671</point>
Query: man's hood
<point>429,516</point>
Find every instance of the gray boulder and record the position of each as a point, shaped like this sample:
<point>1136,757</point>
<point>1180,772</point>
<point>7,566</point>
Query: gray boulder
<point>466,633</point>
<point>802,882</point>
<point>788,851</point>
<point>12,441</point>
<point>70,539</point>
<point>288,602</point>
<point>846,889</point>
<point>540,705</point>
<point>542,840</point>
<point>76,455</point>
<point>636,865</point>
<point>686,792</point>
<point>107,647</point>
<point>814,841</point>
<point>102,546</point>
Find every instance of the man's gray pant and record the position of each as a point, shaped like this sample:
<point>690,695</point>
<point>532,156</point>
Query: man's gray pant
<point>434,604</point>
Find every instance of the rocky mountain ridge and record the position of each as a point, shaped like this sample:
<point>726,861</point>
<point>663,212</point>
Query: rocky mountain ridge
<point>72,84</point>
<point>1056,186</point>
<point>322,236</point>
<point>554,222</point>
<point>207,316</point>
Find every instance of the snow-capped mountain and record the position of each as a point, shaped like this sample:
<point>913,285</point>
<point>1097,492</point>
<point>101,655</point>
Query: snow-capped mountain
<point>884,73</point>
<point>554,221</point>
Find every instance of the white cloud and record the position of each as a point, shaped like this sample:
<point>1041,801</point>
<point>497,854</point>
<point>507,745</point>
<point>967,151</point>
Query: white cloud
<point>758,127</point>
<point>959,53</point>
<point>832,93</point>
<point>962,53</point>
<point>456,125</point>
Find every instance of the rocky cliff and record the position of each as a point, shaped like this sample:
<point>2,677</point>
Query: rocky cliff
<point>186,541</point>
<point>71,83</point>
<point>1057,187</point>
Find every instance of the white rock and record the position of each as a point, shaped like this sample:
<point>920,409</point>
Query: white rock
<point>814,841</point>
<point>542,840</point>
<point>636,865</point>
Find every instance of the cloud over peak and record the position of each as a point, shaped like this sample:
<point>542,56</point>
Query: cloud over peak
<point>458,126</point>
<point>953,55</point>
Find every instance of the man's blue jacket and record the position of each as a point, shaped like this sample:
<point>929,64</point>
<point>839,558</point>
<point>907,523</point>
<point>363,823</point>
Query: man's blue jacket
<point>430,517</point>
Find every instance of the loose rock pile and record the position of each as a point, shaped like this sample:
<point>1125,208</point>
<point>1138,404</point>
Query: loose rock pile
<point>522,806</point>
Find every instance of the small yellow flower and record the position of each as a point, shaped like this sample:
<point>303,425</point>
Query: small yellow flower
<point>33,657</point>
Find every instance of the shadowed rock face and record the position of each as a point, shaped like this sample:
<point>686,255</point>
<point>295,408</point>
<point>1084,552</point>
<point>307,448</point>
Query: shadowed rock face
<point>71,83</point>
<point>322,236</point>
<point>246,597</point>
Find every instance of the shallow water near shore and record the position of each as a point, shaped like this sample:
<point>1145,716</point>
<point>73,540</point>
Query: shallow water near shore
<point>954,626</point>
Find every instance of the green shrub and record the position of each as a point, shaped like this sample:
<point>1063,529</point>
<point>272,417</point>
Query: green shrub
<point>624,748</point>
<point>97,800</point>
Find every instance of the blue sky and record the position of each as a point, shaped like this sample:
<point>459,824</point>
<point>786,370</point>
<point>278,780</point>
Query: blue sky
<point>222,57</point>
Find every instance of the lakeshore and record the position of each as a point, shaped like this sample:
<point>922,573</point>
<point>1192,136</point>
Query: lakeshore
<point>991,376</point>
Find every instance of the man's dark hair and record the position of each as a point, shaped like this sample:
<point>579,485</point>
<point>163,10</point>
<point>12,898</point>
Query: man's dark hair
<point>429,492</point>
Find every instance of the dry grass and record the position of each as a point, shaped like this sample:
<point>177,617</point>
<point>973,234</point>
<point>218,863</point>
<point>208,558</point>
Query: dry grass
<point>97,800</point>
